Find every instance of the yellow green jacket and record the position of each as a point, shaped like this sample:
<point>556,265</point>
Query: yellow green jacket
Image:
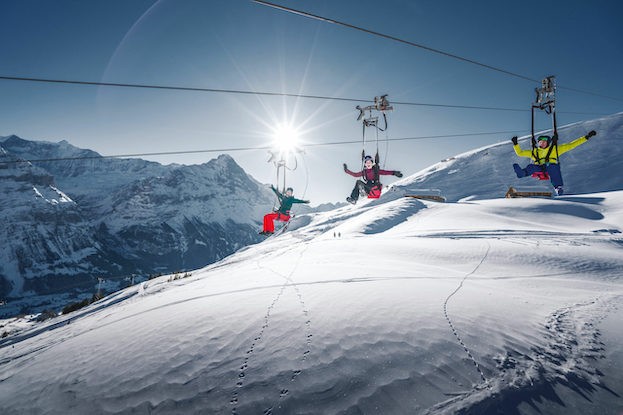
<point>542,152</point>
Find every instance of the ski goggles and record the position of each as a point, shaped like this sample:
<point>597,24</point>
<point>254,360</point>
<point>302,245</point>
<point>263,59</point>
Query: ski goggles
<point>543,138</point>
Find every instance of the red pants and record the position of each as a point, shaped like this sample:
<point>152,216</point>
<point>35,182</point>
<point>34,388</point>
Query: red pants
<point>269,225</point>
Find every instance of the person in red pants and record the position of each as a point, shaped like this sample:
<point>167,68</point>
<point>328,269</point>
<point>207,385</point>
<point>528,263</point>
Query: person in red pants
<point>286,200</point>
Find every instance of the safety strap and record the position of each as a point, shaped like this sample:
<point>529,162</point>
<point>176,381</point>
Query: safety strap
<point>375,168</point>
<point>549,152</point>
<point>381,104</point>
<point>546,101</point>
<point>535,155</point>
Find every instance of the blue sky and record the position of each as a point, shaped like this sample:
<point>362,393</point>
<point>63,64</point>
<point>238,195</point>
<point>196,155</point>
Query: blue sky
<point>242,45</point>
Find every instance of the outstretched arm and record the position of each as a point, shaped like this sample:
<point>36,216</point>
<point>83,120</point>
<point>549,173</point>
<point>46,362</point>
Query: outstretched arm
<point>277,192</point>
<point>396,173</point>
<point>294,200</point>
<point>352,173</point>
<point>563,148</point>
<point>520,152</point>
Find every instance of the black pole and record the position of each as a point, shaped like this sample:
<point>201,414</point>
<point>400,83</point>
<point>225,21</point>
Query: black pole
<point>554,122</point>
<point>532,128</point>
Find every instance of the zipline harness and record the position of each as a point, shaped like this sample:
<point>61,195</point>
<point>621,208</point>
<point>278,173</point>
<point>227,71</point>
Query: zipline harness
<point>280,161</point>
<point>381,104</point>
<point>545,101</point>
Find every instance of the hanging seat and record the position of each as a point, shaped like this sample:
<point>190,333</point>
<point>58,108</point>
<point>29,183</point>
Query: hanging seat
<point>541,175</point>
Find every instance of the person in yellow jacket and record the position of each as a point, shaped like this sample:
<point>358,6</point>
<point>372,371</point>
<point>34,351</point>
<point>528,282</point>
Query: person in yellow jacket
<point>545,157</point>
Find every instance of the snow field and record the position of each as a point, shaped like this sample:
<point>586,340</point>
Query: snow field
<point>398,306</point>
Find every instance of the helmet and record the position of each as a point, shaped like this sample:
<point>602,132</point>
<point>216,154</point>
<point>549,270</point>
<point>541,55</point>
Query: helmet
<point>290,189</point>
<point>366,158</point>
<point>544,138</point>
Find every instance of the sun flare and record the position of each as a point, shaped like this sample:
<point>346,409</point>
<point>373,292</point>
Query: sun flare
<point>285,138</point>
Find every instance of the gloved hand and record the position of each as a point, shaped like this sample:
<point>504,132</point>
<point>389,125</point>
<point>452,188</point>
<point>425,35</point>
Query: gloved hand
<point>590,134</point>
<point>514,140</point>
<point>345,168</point>
<point>397,173</point>
<point>305,201</point>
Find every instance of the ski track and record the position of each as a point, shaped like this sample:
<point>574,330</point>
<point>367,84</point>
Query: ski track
<point>445,312</point>
<point>283,391</point>
<point>571,344</point>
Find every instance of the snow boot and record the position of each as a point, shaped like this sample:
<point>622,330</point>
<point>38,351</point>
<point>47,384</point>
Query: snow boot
<point>351,200</point>
<point>559,191</point>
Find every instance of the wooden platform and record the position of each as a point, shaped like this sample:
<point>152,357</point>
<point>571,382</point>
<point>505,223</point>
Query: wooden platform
<point>434,198</point>
<point>513,193</point>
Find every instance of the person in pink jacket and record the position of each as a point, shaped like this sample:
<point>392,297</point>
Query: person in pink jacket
<point>369,179</point>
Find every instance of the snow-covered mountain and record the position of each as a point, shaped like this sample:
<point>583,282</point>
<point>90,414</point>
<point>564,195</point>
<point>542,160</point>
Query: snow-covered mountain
<point>395,306</point>
<point>68,222</point>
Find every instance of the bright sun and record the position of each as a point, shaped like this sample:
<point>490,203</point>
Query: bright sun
<point>285,138</point>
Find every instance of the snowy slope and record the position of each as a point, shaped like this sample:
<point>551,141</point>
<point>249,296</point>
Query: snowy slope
<point>397,306</point>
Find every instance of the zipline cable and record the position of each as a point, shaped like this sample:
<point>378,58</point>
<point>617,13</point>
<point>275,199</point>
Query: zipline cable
<point>418,45</point>
<point>171,88</point>
<point>234,149</point>
<point>261,93</point>
<point>396,39</point>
